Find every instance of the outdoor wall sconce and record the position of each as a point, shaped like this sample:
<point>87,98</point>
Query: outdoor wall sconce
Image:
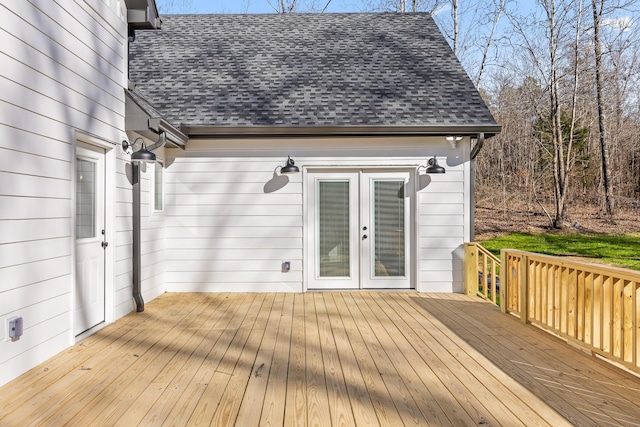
<point>140,156</point>
<point>289,167</point>
<point>433,166</point>
<point>453,140</point>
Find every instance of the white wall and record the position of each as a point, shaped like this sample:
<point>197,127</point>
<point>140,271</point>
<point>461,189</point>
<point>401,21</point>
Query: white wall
<point>227,232</point>
<point>62,69</point>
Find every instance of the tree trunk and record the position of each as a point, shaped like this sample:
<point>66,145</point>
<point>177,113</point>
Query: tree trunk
<point>559,167</point>
<point>454,16</point>
<point>604,143</point>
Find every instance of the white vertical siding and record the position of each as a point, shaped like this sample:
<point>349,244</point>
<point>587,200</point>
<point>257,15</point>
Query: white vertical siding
<point>62,68</point>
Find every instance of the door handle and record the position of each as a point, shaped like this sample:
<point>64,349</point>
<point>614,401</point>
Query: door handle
<point>104,244</point>
<point>364,237</point>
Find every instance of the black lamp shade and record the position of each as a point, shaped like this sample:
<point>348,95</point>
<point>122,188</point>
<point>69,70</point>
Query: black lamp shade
<point>434,167</point>
<point>289,167</point>
<point>143,155</point>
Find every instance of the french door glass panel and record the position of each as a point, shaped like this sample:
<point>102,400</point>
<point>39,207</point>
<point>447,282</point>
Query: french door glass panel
<point>333,229</point>
<point>389,228</point>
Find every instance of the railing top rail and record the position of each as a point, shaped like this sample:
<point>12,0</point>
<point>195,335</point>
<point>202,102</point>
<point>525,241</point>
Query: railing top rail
<point>626,273</point>
<point>484,251</point>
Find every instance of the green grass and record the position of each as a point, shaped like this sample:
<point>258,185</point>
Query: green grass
<point>620,251</point>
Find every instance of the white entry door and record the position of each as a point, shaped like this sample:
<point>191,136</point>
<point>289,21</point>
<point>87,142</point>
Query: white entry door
<point>90,243</point>
<point>359,230</point>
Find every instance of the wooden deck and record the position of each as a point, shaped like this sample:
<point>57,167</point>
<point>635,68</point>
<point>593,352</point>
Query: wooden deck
<point>386,358</point>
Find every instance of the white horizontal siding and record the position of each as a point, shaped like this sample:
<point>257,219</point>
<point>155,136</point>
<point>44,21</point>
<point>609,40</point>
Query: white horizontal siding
<point>12,254</point>
<point>34,208</point>
<point>244,255</point>
<point>24,141</point>
<point>203,188</point>
<point>69,42</point>
<point>34,164</point>
<point>443,217</point>
<point>63,70</point>
<point>226,231</point>
<point>25,230</point>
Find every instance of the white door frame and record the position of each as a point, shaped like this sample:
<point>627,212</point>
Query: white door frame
<point>361,173</point>
<point>82,138</point>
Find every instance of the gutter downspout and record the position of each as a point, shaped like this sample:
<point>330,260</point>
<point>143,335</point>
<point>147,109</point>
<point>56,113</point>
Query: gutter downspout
<point>137,245</point>
<point>137,253</point>
<point>472,208</point>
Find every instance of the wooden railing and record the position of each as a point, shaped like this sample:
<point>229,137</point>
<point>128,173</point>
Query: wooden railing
<point>482,273</point>
<point>592,305</point>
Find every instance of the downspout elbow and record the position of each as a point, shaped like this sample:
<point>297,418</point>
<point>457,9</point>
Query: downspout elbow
<point>476,148</point>
<point>162,140</point>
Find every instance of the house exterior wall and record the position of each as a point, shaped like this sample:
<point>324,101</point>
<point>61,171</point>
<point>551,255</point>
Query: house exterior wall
<point>229,225</point>
<point>62,74</point>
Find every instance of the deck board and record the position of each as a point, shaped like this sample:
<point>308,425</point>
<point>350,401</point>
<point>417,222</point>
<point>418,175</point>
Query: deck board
<point>327,358</point>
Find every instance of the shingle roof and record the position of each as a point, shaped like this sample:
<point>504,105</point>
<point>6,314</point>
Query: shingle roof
<point>304,70</point>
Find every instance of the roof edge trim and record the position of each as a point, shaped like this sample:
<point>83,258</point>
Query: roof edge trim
<point>290,131</point>
<point>142,118</point>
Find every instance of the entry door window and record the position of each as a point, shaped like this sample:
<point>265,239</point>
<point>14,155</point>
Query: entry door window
<point>85,198</point>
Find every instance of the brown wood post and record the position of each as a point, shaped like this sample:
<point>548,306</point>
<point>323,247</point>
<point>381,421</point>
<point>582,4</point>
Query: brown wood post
<point>524,288</point>
<point>470,269</point>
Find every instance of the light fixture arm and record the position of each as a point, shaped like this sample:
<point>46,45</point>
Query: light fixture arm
<point>144,154</point>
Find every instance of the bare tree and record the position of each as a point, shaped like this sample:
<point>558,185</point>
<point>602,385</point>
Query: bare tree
<point>402,6</point>
<point>291,6</point>
<point>456,25</point>
<point>175,6</point>
<point>496,14</point>
<point>598,8</point>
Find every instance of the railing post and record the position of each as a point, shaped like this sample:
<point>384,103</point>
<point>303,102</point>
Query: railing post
<point>504,284</point>
<point>470,269</point>
<point>524,288</point>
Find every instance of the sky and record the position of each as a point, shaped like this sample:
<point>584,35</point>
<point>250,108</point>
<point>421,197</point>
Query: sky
<point>250,6</point>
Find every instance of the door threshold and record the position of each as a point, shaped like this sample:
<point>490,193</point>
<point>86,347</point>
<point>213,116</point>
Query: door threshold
<point>364,290</point>
<point>90,331</point>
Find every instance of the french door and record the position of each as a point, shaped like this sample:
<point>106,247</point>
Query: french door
<point>359,230</point>
<point>90,244</point>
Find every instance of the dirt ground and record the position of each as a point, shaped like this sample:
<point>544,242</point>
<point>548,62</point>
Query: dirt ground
<point>491,221</point>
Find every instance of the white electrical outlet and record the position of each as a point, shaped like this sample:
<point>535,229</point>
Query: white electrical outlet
<point>14,329</point>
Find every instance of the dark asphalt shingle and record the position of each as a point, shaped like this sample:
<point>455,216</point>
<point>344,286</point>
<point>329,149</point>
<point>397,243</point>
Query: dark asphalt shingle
<point>304,70</point>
